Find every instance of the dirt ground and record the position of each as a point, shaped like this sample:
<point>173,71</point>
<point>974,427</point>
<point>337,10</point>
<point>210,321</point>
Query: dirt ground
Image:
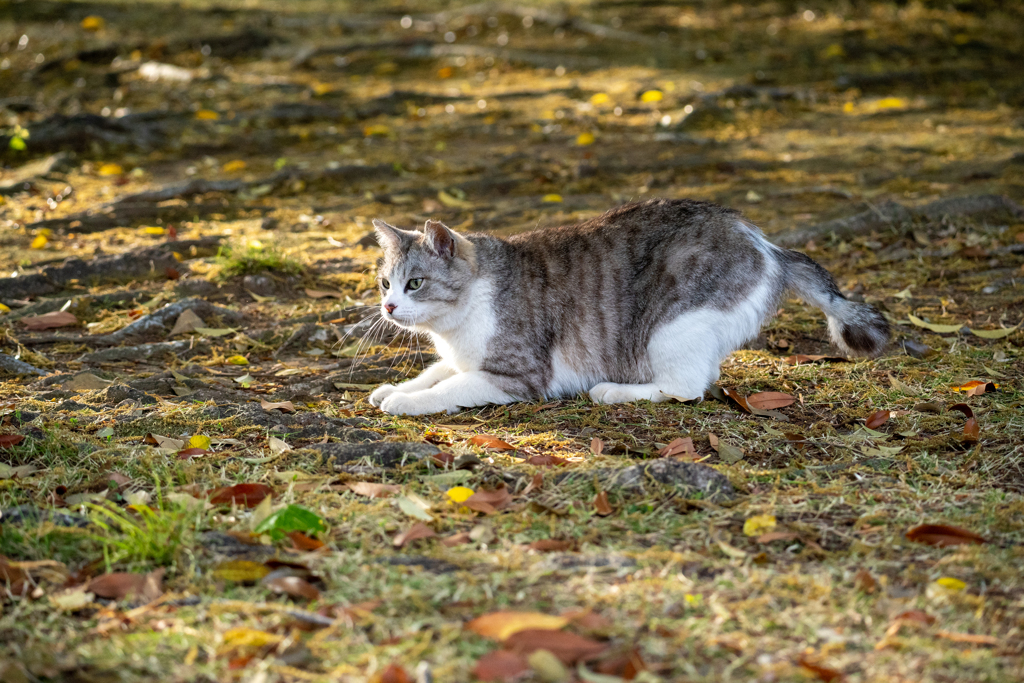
<point>194,487</point>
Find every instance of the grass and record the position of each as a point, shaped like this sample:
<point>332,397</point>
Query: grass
<point>253,260</point>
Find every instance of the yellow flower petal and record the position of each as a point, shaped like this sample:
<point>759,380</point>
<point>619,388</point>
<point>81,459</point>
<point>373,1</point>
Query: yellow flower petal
<point>651,96</point>
<point>459,494</point>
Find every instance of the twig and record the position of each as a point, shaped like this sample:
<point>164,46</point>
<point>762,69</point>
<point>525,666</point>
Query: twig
<point>13,366</point>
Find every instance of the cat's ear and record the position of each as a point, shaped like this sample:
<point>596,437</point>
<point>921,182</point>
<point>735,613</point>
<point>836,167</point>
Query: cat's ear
<point>439,239</point>
<point>388,236</point>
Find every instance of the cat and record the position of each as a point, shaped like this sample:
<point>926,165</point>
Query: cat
<point>640,303</point>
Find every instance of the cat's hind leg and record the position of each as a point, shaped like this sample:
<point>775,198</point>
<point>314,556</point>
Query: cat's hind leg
<point>609,392</point>
<point>685,354</point>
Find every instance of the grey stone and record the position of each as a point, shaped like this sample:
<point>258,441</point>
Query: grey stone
<point>386,454</point>
<point>687,479</point>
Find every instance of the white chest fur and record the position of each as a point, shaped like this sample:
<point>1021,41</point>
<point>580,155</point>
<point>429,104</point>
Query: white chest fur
<point>463,339</point>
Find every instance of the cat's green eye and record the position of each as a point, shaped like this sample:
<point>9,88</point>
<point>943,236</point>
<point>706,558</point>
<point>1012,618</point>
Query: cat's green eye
<point>384,283</point>
<point>414,284</point>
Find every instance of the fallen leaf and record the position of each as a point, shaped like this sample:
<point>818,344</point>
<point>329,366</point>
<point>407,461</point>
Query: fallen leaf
<point>584,139</point>
<point>546,461</point>
<point>682,446</point>
<point>967,638</point>
<point>164,441</point>
<point>238,360</point>
<point>877,419</point>
<point>453,202</point>
<point>8,441</point>
<point>773,536</point>
<point>726,451</point>
<point>39,242</point>
<point>291,518</point>
<point>823,673</point>
<point>940,329</point>
<point>460,538</point>
<point>49,321</point>
<point>501,625</point>
<point>414,508</point>
<point>951,584</point>
<point>394,673</point>
<point>373,490</point>
<point>293,586</point>
<point>233,166</point>
<point>995,334</point>
<point>552,199</point>
<point>569,648</point>
<point>500,666</point>
<point>187,322</point>
<point>110,169</point>
<point>864,582</point>
<point>121,585</point>
<point>241,571</point>
<point>414,533</point>
<point>972,430</point>
<point>14,581</point>
<point>963,408</point>
<point>770,400</point>
<point>548,545</point>
<point>323,294</point>
<point>799,358</point>
<point>303,542</point>
<point>916,616</point>
<point>942,535</point>
<point>596,446</point>
<point>277,446</point>
<point>601,505</point>
<point>547,667</point>
<point>459,494</point>
<point>758,525</point>
<point>488,441</point>
<point>489,502</point>
<point>200,441</point>
<point>247,495</point>
<point>283,406</point>
<point>651,96</point>
<point>215,331</point>
<point>187,453</point>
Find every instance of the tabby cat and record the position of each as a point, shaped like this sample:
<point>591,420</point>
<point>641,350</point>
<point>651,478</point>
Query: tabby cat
<point>641,303</point>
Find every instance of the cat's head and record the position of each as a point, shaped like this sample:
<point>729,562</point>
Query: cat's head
<point>424,275</point>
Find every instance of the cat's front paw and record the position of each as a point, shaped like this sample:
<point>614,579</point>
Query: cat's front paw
<point>380,393</point>
<point>411,404</point>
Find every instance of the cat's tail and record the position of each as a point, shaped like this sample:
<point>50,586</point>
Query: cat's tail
<point>858,329</point>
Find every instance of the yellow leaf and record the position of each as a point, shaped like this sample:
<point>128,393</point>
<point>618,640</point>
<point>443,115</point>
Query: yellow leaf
<point>941,329</point>
<point>153,230</point>
<point>552,198</point>
<point>454,202</point>
<point>111,169</point>
<point>250,637</point>
<point>376,129</point>
<point>207,115</point>
<point>995,334</point>
<point>93,23</point>
<point>651,96</point>
<point>584,139</point>
<point>949,583</point>
<point>459,494</point>
<point>321,88</point>
<point>4,309</point>
<point>599,98</point>
<point>848,107</point>
<point>241,571</point>
<point>833,51</point>
<point>39,242</point>
<point>759,524</point>
<point>238,360</point>
<point>233,166</point>
<point>891,103</point>
<point>199,441</point>
<point>500,625</point>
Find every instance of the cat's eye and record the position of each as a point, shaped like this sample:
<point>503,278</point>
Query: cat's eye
<point>384,283</point>
<point>414,284</point>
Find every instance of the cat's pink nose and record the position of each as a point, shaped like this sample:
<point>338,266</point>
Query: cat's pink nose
<point>390,308</point>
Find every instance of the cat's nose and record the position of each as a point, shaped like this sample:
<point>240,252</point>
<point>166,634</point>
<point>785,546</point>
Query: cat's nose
<point>390,308</point>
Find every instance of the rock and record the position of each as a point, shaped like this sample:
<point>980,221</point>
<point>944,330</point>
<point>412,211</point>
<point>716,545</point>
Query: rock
<point>270,223</point>
<point>386,454</point>
<point>194,286</point>
<point>116,393</point>
<point>28,514</point>
<point>226,544</point>
<point>301,425</point>
<point>427,563</point>
<point>704,118</point>
<point>261,285</point>
<point>368,240</point>
<point>688,479</point>
<point>580,561</point>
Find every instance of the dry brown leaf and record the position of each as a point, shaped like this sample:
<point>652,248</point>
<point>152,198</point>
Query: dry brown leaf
<point>8,441</point>
<point>596,446</point>
<point>163,441</point>
<point>373,490</point>
<point>303,542</point>
<point>120,585</point>
<point>293,586</point>
<point>972,430</point>
<point>942,535</point>
<point>681,447</point>
<point>247,495</point>
<point>915,616</point>
<point>500,625</point>
<point>488,441</point>
<point>548,545</point>
<point>187,322</point>
<point>323,294</point>
<point>770,400</point>
<point>489,502</point>
<point>460,538</point>
<point>394,673</point>
<point>568,647</point>
<point>601,504</point>
<point>864,582</point>
<point>963,408</point>
<point>49,321</point>
<point>773,536</point>
<point>500,666</point>
<point>414,533</point>
<point>14,581</point>
<point>283,406</point>
<point>968,638</point>
<point>877,419</point>
<point>546,461</point>
<point>823,673</point>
